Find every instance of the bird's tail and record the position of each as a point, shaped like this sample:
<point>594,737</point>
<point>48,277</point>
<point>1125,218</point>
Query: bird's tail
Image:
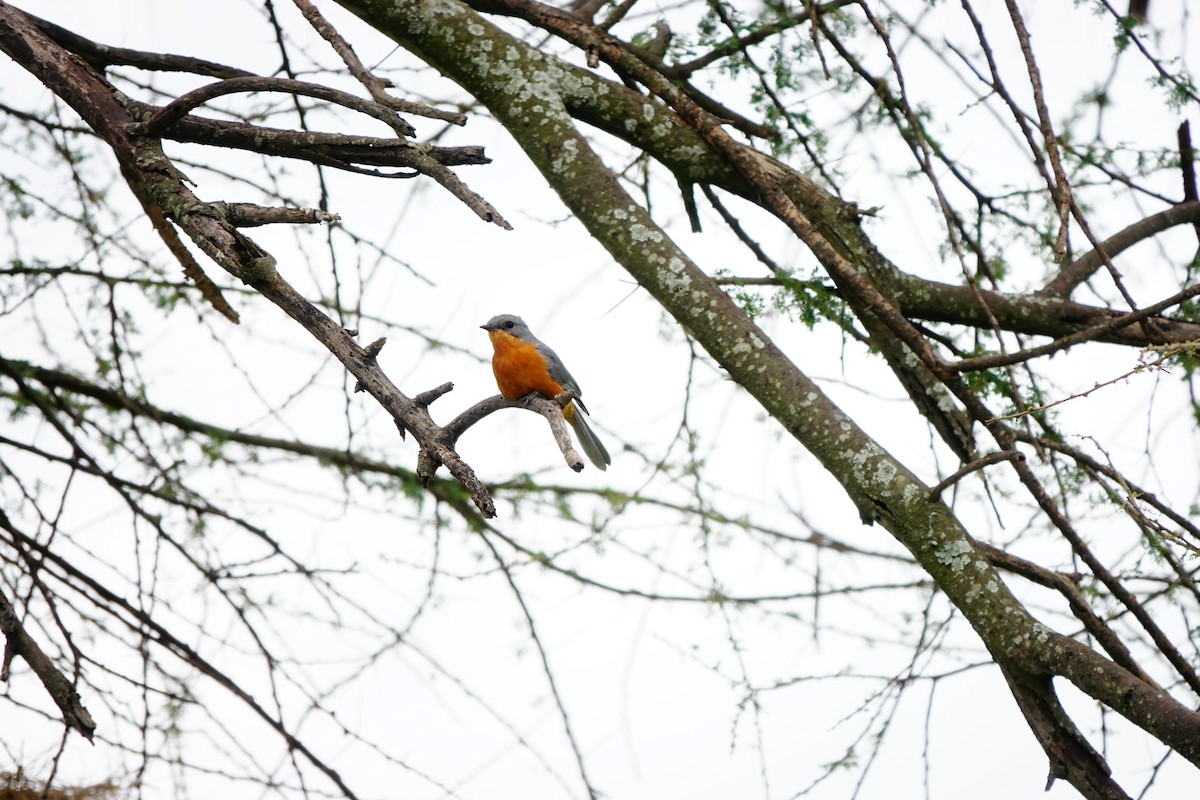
<point>587,439</point>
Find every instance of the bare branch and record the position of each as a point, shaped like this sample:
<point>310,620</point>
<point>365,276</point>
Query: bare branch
<point>974,466</point>
<point>18,642</point>
<point>249,215</point>
<point>178,109</point>
<point>1083,267</point>
<point>375,85</point>
<point>550,409</point>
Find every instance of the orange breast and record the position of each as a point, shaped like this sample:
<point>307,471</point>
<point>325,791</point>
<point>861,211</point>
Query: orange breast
<point>519,368</point>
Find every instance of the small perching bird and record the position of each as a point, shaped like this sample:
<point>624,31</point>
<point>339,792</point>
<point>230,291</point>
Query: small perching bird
<point>523,364</point>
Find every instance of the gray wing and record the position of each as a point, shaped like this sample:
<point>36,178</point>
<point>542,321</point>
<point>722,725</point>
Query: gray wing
<point>559,373</point>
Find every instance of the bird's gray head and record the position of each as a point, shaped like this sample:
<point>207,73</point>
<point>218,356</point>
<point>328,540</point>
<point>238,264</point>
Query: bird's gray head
<point>510,324</point>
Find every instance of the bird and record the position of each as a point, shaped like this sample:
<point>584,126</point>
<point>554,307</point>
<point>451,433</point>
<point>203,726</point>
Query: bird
<point>523,364</point>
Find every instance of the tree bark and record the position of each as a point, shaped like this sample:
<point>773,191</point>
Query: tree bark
<point>527,92</point>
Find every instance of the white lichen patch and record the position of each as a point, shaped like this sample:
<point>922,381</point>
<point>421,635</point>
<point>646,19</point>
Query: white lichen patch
<point>956,555</point>
<point>566,156</point>
<point>689,152</point>
<point>640,234</point>
<point>675,277</point>
<point>860,457</point>
<point>440,8</point>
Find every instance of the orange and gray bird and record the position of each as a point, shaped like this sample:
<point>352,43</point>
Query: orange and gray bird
<point>523,364</point>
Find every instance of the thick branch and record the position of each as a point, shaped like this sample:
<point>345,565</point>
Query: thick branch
<point>102,56</point>
<point>156,120</point>
<point>630,116</point>
<point>179,108</point>
<point>1082,268</point>
<point>330,149</point>
<point>879,484</point>
<point>156,181</point>
<point>1071,756</point>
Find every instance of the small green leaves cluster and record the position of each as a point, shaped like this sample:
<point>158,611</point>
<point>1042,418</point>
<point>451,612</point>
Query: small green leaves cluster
<point>14,200</point>
<point>810,302</point>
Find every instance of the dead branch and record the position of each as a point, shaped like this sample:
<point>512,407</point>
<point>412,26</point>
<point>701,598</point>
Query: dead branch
<point>18,642</point>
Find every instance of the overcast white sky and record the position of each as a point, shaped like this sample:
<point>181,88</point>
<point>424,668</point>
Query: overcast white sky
<point>648,686</point>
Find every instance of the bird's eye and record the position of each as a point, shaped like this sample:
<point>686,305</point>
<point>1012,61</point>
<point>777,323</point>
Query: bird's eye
<point>509,324</point>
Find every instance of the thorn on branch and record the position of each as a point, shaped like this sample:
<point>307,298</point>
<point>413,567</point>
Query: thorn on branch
<point>369,353</point>
<point>425,398</point>
<point>372,350</point>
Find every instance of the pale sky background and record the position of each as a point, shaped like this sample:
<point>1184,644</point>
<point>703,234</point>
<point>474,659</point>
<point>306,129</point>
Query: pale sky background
<point>646,685</point>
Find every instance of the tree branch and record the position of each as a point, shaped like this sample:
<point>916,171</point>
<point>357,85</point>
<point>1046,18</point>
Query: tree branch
<point>156,179</point>
<point>1083,267</point>
<point>18,642</point>
<point>375,85</point>
<point>880,485</point>
<point>179,108</point>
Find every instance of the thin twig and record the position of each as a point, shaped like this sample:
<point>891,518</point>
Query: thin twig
<point>974,466</point>
<point>179,108</point>
<point>1084,335</point>
<point>373,83</point>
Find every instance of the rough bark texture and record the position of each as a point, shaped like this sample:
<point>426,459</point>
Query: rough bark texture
<point>534,96</point>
